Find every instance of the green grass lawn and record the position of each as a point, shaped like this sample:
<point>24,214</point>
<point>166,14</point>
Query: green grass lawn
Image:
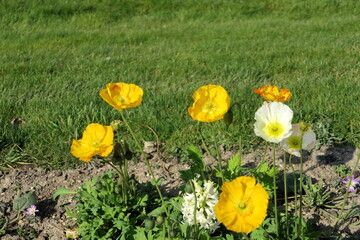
<point>55,58</point>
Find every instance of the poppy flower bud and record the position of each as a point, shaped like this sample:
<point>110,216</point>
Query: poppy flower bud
<point>228,118</point>
<point>149,223</point>
<point>159,220</point>
<point>118,156</point>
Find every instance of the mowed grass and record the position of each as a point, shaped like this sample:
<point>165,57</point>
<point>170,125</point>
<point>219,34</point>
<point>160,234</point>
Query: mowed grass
<point>56,56</point>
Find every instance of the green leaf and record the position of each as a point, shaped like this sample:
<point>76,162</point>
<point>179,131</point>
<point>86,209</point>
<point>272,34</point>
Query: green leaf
<point>119,224</point>
<point>141,200</point>
<point>157,212</point>
<point>229,237</point>
<point>257,234</point>
<point>176,204</point>
<point>24,201</point>
<point>186,175</point>
<point>262,168</point>
<point>158,181</point>
<point>61,192</point>
<point>353,212</point>
<point>234,163</point>
<point>140,234</point>
<point>196,155</point>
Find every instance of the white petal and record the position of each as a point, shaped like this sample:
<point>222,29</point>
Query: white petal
<point>293,152</point>
<point>296,129</point>
<point>309,140</point>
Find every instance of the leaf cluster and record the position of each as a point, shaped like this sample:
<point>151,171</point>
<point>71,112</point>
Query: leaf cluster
<point>103,213</point>
<point>317,195</point>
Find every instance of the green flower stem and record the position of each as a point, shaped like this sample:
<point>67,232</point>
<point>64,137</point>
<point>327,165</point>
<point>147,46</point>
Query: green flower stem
<point>117,170</point>
<point>5,224</point>
<point>246,236</point>
<point>14,220</point>
<point>218,157</point>
<point>301,187</point>
<point>275,196</point>
<point>295,190</point>
<point>125,186</point>
<point>212,158</point>
<point>286,199</point>
<point>195,208</point>
<point>346,194</point>
<point>266,148</point>
<point>147,163</point>
<point>144,156</point>
<point>202,173</point>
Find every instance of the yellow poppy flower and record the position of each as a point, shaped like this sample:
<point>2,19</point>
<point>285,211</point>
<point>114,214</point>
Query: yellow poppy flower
<point>211,102</point>
<point>242,205</point>
<point>272,93</point>
<point>122,95</point>
<point>97,140</point>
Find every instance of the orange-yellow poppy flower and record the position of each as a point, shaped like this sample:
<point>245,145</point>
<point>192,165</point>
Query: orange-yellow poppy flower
<point>242,205</point>
<point>272,93</point>
<point>122,95</point>
<point>211,102</point>
<point>97,140</point>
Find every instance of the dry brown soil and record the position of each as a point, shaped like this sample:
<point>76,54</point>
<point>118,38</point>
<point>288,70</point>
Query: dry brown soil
<point>52,220</point>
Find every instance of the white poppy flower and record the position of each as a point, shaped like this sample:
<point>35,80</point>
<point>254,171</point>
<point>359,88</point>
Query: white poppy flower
<point>292,143</point>
<point>273,122</point>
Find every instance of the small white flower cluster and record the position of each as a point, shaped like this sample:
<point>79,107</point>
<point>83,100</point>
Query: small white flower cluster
<point>206,199</point>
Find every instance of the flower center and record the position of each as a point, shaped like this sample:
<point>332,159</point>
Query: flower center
<point>274,129</point>
<point>294,142</point>
<point>121,99</point>
<point>208,107</point>
<point>96,145</point>
<point>242,205</point>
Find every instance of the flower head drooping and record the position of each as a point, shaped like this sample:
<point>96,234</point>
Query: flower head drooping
<point>31,211</point>
<point>206,198</point>
<point>273,122</point>
<point>306,139</point>
<point>71,233</point>
<point>272,93</point>
<point>211,102</point>
<point>243,204</point>
<point>97,140</point>
<point>122,95</point>
<point>353,182</point>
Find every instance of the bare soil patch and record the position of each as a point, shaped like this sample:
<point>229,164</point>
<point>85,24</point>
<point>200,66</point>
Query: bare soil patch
<point>51,220</point>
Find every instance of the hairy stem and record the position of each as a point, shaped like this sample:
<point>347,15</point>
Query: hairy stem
<point>275,195</point>
<point>285,195</point>
<point>301,187</point>
<point>218,157</point>
<point>147,163</point>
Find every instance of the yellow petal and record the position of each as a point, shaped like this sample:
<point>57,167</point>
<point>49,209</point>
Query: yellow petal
<point>80,150</point>
<point>122,95</point>
<point>97,140</point>
<point>105,95</point>
<point>242,205</point>
<point>211,102</point>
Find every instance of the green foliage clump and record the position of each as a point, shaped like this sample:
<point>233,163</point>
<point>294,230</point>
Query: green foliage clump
<point>103,213</point>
